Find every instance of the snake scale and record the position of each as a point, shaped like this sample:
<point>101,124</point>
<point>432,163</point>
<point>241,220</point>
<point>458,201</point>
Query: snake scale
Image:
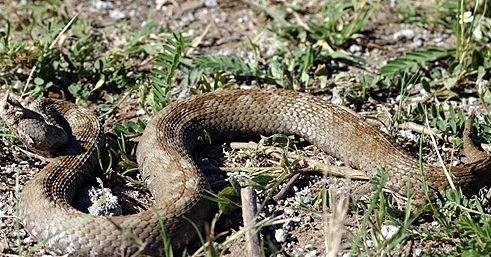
<point>165,159</point>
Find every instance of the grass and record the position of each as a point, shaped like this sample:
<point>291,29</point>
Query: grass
<point>46,52</point>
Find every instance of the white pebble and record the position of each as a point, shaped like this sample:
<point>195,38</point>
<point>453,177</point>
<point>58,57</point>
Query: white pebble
<point>288,211</point>
<point>101,4</point>
<point>355,48</point>
<point>211,3</point>
<point>388,231</point>
<point>116,14</point>
<point>404,34</point>
<point>280,235</point>
<point>312,253</point>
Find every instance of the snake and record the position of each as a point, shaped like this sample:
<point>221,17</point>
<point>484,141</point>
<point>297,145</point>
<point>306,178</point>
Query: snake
<point>73,138</point>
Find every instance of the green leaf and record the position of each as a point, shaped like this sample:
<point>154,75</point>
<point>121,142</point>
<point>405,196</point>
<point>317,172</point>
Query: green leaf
<point>263,180</point>
<point>228,197</point>
<point>232,64</point>
<point>130,128</point>
<point>411,61</point>
<point>164,72</point>
<point>38,81</point>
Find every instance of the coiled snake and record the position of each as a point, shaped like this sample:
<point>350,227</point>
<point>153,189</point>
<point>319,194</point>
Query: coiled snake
<point>165,158</point>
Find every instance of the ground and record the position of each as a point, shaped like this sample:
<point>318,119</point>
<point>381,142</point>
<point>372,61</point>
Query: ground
<point>403,66</point>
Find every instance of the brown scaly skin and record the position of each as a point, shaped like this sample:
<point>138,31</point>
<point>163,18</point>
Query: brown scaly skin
<point>41,135</point>
<point>165,159</point>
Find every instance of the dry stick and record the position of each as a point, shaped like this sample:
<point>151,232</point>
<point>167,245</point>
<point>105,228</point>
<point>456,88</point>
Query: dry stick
<point>338,171</point>
<point>50,47</point>
<point>287,187</point>
<point>418,128</point>
<point>327,169</point>
<point>197,41</point>
<point>440,159</point>
<point>334,223</point>
<point>212,238</point>
<point>300,21</point>
<point>248,197</point>
<point>243,145</point>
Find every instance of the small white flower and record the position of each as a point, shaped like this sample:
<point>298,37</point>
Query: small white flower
<point>466,18</point>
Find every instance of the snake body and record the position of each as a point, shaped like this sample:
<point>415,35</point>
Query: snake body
<point>165,159</point>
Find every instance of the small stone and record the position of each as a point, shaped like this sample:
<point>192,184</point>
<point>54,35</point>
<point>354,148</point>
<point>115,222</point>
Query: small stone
<point>417,42</point>
<point>309,247</point>
<point>185,93</point>
<point>305,196</point>
<point>308,219</point>
<point>280,235</point>
<point>404,34</point>
<point>211,3</point>
<point>101,4</point>
<point>433,225</point>
<point>312,253</point>
<point>17,85</point>
<point>288,225</point>
<point>140,112</point>
<point>288,211</point>
<point>409,135</point>
<point>159,4</point>
<point>117,14</point>
<point>337,98</point>
<point>20,232</point>
<point>437,40</point>
<point>355,48</point>
<point>388,231</point>
<point>28,240</point>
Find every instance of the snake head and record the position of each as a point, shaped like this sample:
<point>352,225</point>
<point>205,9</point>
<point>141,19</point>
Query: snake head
<point>11,110</point>
<point>31,128</point>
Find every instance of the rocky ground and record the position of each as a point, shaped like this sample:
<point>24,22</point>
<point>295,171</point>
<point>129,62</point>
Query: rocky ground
<point>315,210</point>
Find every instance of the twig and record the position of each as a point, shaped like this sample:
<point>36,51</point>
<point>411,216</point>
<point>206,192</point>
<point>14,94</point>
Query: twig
<point>248,197</point>
<point>245,169</point>
<point>212,237</point>
<point>300,21</point>
<point>243,145</point>
<point>334,223</point>
<point>57,38</point>
<point>440,159</point>
<point>287,187</point>
<point>418,128</point>
<point>339,171</point>
<point>197,41</point>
